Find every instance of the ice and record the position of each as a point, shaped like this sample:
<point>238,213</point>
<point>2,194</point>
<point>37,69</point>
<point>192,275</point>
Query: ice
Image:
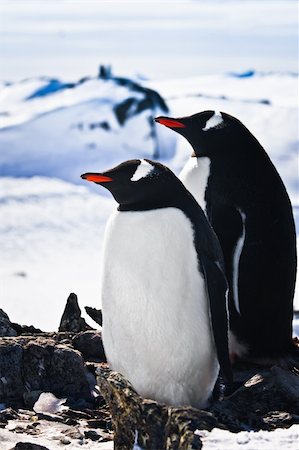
<point>47,403</point>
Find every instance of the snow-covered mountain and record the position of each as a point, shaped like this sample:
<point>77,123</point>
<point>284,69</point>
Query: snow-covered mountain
<point>59,129</point>
<point>51,228</point>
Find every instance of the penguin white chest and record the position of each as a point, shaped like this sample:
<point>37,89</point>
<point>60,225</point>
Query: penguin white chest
<point>156,318</point>
<point>194,176</point>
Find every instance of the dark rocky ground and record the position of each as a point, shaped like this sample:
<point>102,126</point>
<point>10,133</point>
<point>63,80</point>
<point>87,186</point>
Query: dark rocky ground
<point>101,404</point>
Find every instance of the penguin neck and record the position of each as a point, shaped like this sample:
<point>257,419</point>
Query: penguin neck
<point>141,206</point>
<point>156,203</point>
<point>195,176</point>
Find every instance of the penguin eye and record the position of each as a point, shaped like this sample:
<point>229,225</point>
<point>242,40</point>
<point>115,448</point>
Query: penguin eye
<point>142,171</point>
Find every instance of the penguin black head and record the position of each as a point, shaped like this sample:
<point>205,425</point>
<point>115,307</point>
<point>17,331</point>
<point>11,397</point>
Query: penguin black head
<point>138,183</point>
<point>206,131</point>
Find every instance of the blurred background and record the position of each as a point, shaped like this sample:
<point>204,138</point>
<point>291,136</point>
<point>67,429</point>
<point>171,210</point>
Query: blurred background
<point>80,82</point>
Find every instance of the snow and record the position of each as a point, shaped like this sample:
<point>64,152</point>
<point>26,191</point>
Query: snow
<point>52,230</point>
<point>51,245</point>
<point>249,440</point>
<point>54,128</point>
<point>286,439</point>
<point>51,437</point>
<point>74,129</point>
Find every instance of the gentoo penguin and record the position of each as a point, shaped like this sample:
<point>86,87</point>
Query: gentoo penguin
<point>163,287</point>
<point>234,181</point>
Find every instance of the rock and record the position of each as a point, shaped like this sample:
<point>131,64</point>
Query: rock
<point>6,328</point>
<point>30,398</point>
<point>74,433</point>
<point>156,426</point>
<point>90,344</point>
<point>95,314</point>
<point>25,329</point>
<point>254,403</point>
<point>65,441</point>
<point>182,424</point>
<point>126,411</point>
<point>279,419</point>
<point>93,435</point>
<point>104,424</point>
<point>67,375</point>
<point>8,414</point>
<point>266,400</point>
<point>28,446</point>
<point>41,364</point>
<point>11,376</point>
<point>288,383</point>
<point>71,319</point>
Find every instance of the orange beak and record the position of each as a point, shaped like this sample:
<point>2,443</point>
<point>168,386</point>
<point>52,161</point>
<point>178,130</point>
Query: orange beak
<point>170,123</point>
<point>96,177</point>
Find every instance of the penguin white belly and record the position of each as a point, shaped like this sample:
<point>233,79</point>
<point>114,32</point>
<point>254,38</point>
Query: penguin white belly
<point>194,176</point>
<point>156,317</point>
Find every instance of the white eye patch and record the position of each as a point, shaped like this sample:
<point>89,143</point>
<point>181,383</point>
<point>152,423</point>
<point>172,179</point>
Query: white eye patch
<point>142,171</point>
<point>214,121</point>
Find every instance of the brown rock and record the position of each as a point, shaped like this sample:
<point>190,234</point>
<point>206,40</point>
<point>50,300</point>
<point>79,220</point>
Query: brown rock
<point>156,426</point>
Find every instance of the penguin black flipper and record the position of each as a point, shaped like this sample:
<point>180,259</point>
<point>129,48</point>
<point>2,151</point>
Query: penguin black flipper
<point>217,293</point>
<point>212,265</point>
